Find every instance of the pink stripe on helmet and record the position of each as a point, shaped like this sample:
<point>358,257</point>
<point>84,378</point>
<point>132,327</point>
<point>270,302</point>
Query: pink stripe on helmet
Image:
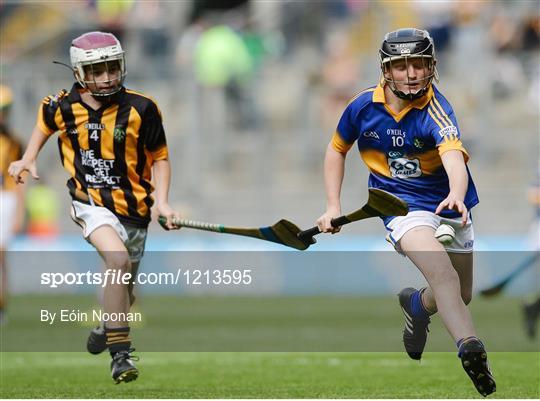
<point>95,40</point>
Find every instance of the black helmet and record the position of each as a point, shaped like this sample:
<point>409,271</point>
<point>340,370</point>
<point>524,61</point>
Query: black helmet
<point>405,44</point>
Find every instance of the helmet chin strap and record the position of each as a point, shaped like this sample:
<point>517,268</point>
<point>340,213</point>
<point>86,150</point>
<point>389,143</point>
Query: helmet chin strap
<point>102,98</point>
<point>99,95</point>
<point>409,96</point>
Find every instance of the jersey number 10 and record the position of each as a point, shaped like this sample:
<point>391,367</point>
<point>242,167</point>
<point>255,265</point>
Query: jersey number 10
<point>397,141</point>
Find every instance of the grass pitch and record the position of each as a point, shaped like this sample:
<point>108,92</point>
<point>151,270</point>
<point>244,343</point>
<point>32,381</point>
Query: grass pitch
<point>376,374</point>
<point>264,375</point>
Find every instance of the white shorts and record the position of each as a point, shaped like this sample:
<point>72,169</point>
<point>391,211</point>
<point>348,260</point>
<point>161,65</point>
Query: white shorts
<point>8,206</point>
<point>463,242</point>
<point>91,217</point>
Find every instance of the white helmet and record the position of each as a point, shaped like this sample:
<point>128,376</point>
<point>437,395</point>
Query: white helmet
<point>94,48</point>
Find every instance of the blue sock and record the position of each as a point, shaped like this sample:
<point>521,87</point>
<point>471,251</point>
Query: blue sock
<point>417,307</point>
<point>466,340</point>
<point>462,341</point>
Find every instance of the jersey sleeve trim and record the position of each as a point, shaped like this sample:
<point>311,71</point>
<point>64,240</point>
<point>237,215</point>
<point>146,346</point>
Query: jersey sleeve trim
<point>160,154</point>
<point>339,144</point>
<point>452,142</point>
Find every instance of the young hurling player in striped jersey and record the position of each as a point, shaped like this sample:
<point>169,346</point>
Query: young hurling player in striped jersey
<point>408,136</point>
<point>111,140</point>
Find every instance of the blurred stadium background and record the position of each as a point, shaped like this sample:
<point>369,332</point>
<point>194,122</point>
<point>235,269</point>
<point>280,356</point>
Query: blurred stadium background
<point>251,92</point>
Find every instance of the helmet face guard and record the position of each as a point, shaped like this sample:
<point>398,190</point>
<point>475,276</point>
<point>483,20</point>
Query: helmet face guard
<point>404,45</point>
<point>95,53</point>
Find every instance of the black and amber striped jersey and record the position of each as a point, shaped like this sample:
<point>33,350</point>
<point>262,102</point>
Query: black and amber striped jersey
<point>10,151</point>
<point>108,152</point>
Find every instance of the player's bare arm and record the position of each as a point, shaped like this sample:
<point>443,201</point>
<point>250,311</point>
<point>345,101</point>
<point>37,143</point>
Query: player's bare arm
<point>334,170</point>
<point>162,177</point>
<point>28,161</point>
<point>454,165</point>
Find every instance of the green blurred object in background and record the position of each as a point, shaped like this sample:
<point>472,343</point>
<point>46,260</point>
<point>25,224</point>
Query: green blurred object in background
<point>42,205</point>
<point>221,57</point>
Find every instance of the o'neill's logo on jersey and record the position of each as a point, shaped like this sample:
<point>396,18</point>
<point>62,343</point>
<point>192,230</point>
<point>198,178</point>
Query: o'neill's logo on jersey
<point>418,143</point>
<point>395,132</point>
<point>93,126</point>
<point>450,130</point>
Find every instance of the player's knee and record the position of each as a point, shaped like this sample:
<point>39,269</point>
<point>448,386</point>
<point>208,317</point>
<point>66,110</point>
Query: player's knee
<point>446,276</point>
<point>118,261</point>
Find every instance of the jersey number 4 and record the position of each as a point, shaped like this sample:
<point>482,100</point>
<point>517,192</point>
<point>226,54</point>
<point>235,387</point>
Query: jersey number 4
<point>94,135</point>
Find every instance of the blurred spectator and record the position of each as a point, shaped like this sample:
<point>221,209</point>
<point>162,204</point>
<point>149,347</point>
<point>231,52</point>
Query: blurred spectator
<point>531,33</point>
<point>11,194</point>
<point>340,79</point>
<point>514,40</point>
<point>439,20</point>
<point>221,58</point>
<point>200,8</point>
<point>504,33</point>
<point>151,26</point>
<point>112,15</point>
<point>301,30</point>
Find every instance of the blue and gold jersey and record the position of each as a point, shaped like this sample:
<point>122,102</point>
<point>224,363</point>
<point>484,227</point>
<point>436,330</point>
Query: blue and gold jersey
<point>403,150</point>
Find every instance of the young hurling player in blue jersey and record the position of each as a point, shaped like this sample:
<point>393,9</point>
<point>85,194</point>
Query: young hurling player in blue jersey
<point>408,136</point>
